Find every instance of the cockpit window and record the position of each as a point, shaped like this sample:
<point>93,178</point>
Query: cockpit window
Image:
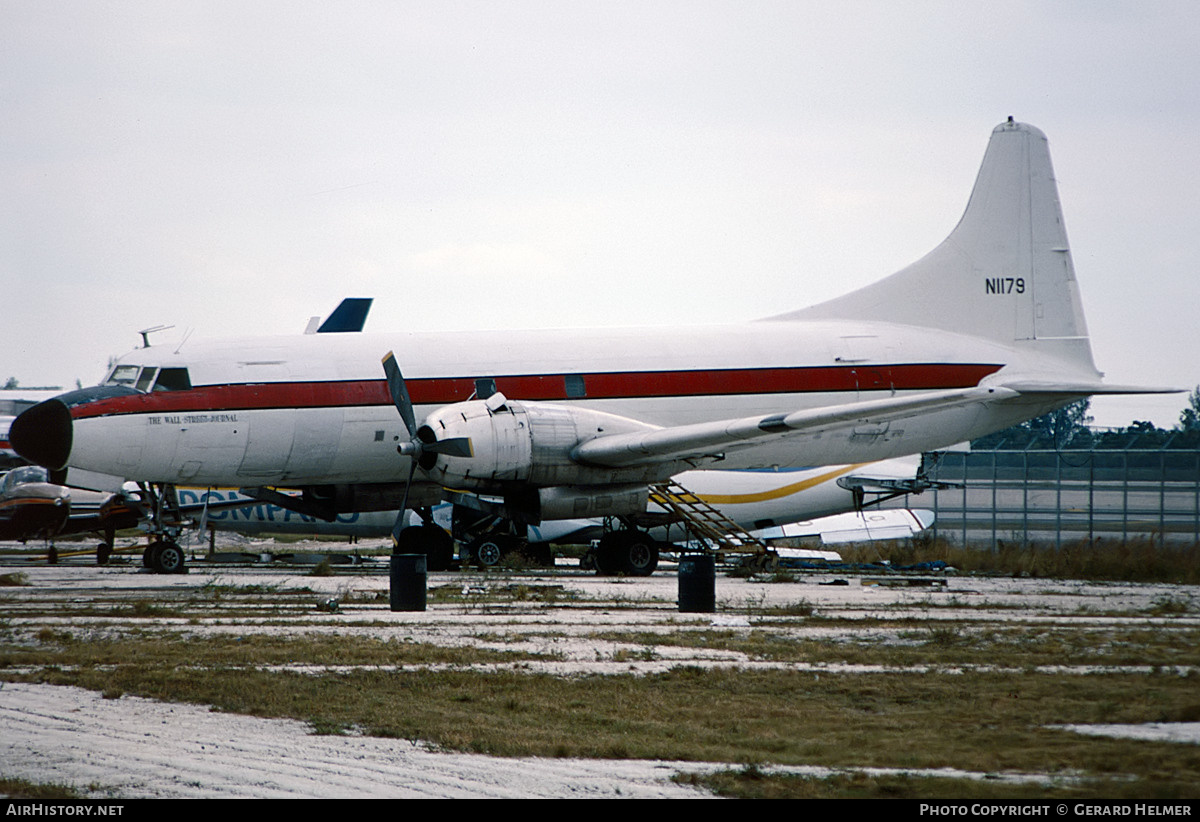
<point>123,375</point>
<point>147,379</point>
<point>150,378</point>
<point>18,476</point>
<point>173,379</point>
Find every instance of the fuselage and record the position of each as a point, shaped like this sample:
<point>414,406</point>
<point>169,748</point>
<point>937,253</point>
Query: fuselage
<point>315,409</point>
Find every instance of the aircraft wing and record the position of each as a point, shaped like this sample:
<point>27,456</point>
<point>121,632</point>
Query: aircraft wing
<point>710,439</point>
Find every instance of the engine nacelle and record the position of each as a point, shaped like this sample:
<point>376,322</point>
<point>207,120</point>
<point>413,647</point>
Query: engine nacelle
<point>581,501</point>
<point>525,442</point>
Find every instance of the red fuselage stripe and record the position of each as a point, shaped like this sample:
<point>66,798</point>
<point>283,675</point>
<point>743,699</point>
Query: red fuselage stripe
<point>622,385</point>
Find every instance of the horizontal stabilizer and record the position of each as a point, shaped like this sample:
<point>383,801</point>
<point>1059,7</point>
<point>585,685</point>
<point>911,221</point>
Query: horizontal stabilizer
<point>1088,388</point>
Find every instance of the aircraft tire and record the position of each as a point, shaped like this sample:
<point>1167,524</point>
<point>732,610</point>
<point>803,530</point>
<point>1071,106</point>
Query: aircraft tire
<point>628,552</point>
<point>103,552</point>
<point>766,563</point>
<point>167,558</point>
<point>490,551</point>
<point>639,554</point>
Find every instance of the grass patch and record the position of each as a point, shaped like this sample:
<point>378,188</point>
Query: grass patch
<point>646,654</point>
<point>476,593</point>
<point>13,788</point>
<point>1135,560</point>
<point>149,609</point>
<point>1171,606</point>
<point>152,652</point>
<point>944,644</point>
<point>801,607</point>
<point>984,721</point>
<point>753,783</point>
<point>969,692</point>
<point>988,721</point>
<point>979,723</point>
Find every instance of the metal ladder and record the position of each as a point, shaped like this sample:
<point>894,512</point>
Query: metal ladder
<point>709,525</point>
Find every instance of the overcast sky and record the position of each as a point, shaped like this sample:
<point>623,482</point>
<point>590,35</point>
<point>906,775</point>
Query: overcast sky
<point>236,167</point>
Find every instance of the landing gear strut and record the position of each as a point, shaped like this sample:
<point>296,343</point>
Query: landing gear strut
<point>163,555</point>
<point>104,550</point>
<point>489,539</point>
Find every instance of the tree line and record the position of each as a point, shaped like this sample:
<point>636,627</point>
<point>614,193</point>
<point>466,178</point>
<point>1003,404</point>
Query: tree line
<point>1070,427</point>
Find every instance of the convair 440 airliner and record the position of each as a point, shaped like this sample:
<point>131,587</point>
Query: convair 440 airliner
<point>984,332</point>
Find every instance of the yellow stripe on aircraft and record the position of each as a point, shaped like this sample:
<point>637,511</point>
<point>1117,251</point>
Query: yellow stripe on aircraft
<point>776,493</point>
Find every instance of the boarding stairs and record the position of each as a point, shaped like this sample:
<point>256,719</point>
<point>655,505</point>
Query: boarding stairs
<point>723,536</point>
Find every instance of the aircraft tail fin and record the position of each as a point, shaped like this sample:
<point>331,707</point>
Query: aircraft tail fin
<point>1005,272</point>
<point>348,317</point>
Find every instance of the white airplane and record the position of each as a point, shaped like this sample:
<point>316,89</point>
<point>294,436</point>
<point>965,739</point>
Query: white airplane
<point>984,332</point>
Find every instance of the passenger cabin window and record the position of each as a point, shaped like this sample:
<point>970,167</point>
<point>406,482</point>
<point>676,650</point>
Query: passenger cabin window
<point>574,386</point>
<point>484,387</point>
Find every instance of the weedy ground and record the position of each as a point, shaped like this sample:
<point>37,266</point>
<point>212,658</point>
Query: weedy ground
<point>1132,560</point>
<point>976,689</point>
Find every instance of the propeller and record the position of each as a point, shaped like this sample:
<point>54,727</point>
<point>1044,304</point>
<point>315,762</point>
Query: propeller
<point>423,446</point>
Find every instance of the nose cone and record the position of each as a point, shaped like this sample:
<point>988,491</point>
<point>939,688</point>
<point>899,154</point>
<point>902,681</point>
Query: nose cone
<point>43,435</point>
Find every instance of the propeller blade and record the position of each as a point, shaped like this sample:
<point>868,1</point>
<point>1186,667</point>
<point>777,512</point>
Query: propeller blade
<point>451,447</point>
<point>402,514</point>
<point>399,392</point>
<point>420,447</point>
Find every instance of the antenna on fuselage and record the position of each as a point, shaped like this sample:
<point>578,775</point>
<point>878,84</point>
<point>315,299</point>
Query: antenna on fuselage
<point>186,336</point>
<point>146,332</point>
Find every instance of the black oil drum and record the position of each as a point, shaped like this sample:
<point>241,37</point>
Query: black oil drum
<point>697,584</point>
<point>408,582</point>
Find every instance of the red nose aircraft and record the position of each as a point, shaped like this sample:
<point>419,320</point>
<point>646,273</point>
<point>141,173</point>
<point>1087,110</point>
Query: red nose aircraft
<point>985,331</point>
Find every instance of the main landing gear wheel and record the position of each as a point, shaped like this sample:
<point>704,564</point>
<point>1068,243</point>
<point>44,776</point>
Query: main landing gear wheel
<point>628,552</point>
<point>430,540</point>
<point>488,551</point>
<point>164,557</point>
